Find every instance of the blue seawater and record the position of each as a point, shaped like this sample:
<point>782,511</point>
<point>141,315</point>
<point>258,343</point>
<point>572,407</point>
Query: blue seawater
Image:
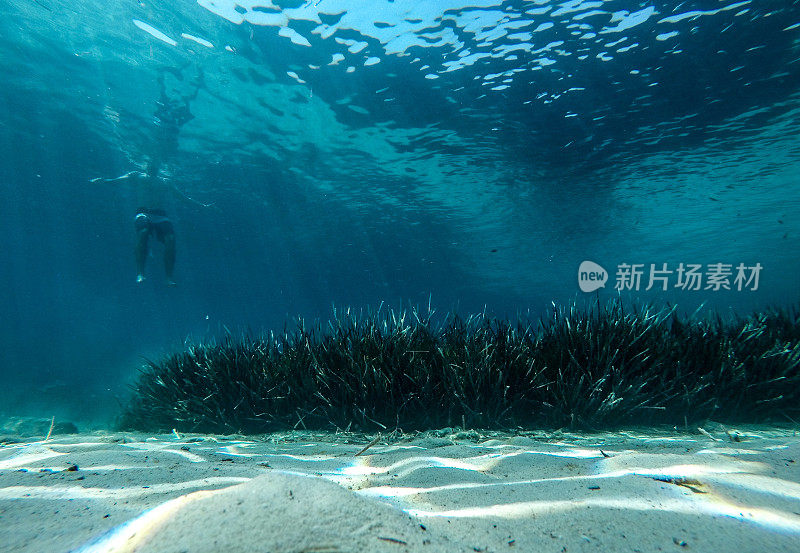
<point>352,152</point>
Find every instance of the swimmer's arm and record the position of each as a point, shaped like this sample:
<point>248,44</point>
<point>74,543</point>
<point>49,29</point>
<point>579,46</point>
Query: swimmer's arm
<point>185,196</point>
<point>180,193</point>
<point>126,176</point>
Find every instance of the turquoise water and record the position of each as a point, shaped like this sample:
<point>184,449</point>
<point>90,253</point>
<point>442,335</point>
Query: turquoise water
<point>351,153</point>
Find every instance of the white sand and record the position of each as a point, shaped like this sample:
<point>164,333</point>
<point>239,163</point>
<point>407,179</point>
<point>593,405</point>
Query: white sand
<point>289,493</point>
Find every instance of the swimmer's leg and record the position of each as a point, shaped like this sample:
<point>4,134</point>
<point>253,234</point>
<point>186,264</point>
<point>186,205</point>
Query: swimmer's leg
<point>169,257</point>
<point>142,233</point>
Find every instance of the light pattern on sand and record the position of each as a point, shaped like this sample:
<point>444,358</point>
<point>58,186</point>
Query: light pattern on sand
<point>772,519</point>
<point>30,454</point>
<point>731,474</point>
<point>73,492</point>
<point>127,536</point>
<point>528,483</point>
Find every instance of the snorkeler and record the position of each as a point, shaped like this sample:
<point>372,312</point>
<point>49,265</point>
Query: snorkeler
<point>151,219</point>
<point>150,187</point>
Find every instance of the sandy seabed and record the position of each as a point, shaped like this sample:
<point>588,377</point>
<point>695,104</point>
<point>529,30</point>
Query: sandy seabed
<point>719,490</point>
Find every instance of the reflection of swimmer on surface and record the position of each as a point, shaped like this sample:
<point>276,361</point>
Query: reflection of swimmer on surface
<point>171,114</point>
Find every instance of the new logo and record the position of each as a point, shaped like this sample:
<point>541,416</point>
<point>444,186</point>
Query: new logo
<point>591,276</point>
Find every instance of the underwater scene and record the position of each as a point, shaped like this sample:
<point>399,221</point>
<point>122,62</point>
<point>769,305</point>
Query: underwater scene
<point>400,275</point>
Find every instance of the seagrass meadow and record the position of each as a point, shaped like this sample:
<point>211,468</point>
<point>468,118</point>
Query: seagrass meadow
<point>603,366</point>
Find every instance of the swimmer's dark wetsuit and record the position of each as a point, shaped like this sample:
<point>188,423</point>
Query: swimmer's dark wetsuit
<point>154,221</point>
